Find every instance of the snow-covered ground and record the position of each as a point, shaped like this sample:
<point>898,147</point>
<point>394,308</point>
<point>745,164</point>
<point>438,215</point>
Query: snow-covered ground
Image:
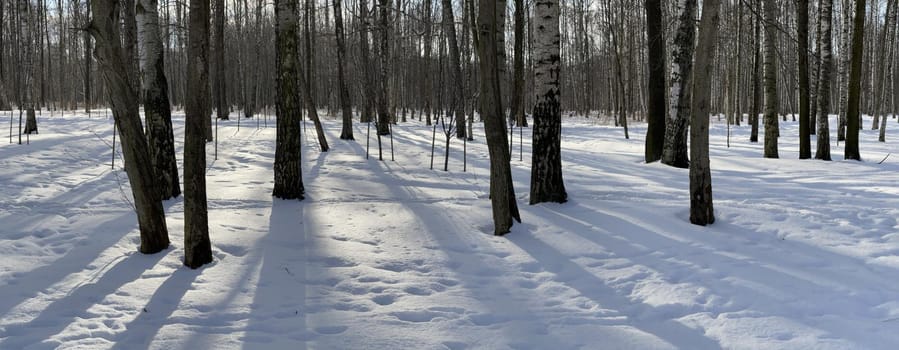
<point>392,255</point>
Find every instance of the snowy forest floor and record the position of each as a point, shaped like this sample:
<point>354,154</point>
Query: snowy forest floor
<point>392,255</point>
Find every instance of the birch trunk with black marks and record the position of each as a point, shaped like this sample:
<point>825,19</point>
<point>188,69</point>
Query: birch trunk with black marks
<point>674,152</point>
<point>154,89</point>
<point>826,76</point>
<point>546,159</point>
<point>701,209</point>
<point>288,155</point>
<point>770,118</point>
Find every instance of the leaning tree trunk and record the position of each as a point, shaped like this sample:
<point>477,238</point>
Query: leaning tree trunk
<point>197,248</point>
<point>855,82</point>
<point>546,160</point>
<point>701,209</point>
<point>346,132</point>
<point>287,168</point>
<point>823,151</point>
<point>123,99</point>
<point>805,148</point>
<point>655,104</point>
<point>311,108</point>
<point>157,110</point>
<point>771,131</point>
<point>674,152</point>
<point>502,192</point>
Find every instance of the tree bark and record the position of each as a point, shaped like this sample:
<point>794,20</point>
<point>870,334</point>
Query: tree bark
<point>346,132</point>
<point>823,132</point>
<point>770,118</point>
<point>701,209</point>
<point>655,104</point>
<point>502,192</point>
<point>157,110</point>
<point>197,248</point>
<point>756,83</point>
<point>855,79</point>
<point>455,100</point>
<point>123,99</point>
<point>288,155</point>
<point>218,86</point>
<point>805,148</point>
<point>546,160</point>
<point>674,152</point>
<point>516,112</point>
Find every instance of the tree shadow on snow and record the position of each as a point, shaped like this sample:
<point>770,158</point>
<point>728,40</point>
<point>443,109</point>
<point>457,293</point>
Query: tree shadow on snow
<point>139,333</point>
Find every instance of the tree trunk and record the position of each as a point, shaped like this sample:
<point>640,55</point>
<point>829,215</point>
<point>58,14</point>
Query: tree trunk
<point>197,248</point>
<point>855,79</point>
<point>516,107</point>
<point>882,65</point>
<point>157,110</point>
<point>455,83</point>
<point>218,86</point>
<point>701,209</point>
<point>368,97</point>
<point>823,133</point>
<point>123,99</point>
<point>502,192</point>
<point>546,160</point>
<point>346,132</point>
<point>655,104</point>
<point>771,131</point>
<point>756,83</point>
<point>674,152</point>
<point>383,88</point>
<point>805,148</point>
<point>288,155</point>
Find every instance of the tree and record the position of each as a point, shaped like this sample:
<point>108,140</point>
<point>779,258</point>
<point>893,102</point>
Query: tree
<point>218,85</point>
<point>701,209</point>
<point>756,82</point>
<point>770,117</point>
<point>674,152</point>
<point>516,110</point>
<point>287,168</point>
<point>157,110</point>
<point>197,248</point>
<point>307,77</point>
<point>502,194</point>
<point>805,148</point>
<point>383,97</point>
<point>655,104</point>
<point>823,151</point>
<point>449,26</point>
<point>123,98</point>
<point>546,160</point>
<point>346,132</point>
<point>855,79</point>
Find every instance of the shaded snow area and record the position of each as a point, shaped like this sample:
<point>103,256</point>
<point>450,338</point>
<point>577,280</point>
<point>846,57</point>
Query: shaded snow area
<point>392,255</point>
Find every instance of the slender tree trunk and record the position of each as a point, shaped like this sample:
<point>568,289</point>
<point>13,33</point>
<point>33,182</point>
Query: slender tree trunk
<point>197,248</point>
<point>368,96</point>
<point>88,101</point>
<point>156,100</point>
<point>855,79</point>
<point>123,99</point>
<point>674,152</point>
<point>383,90</point>
<point>517,102</point>
<point>546,161</point>
<point>881,66</point>
<point>771,104</point>
<point>655,118</point>
<point>218,85</point>
<point>805,148</point>
<point>502,192</point>
<point>701,208</point>
<point>823,151</point>
<point>346,132</point>
<point>756,82</point>
<point>455,101</point>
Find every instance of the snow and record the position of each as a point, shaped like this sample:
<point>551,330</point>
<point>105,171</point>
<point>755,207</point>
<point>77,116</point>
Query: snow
<point>392,255</point>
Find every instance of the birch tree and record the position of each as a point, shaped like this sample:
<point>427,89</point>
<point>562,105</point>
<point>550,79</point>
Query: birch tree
<point>154,89</point>
<point>855,81</point>
<point>770,117</point>
<point>546,160</point>
<point>287,167</point>
<point>674,152</point>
